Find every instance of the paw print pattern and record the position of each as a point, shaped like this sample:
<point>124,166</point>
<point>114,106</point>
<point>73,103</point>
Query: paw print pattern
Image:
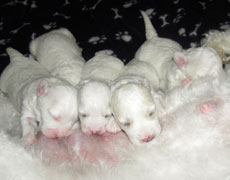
<point>123,36</point>
<point>97,39</point>
<point>129,3</point>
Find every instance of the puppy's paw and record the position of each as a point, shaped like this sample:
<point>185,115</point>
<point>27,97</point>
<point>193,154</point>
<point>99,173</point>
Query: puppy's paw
<point>112,127</point>
<point>29,139</point>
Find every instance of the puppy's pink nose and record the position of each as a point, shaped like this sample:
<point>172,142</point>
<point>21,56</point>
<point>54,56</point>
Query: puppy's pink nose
<point>97,132</point>
<point>148,138</point>
<point>54,133</point>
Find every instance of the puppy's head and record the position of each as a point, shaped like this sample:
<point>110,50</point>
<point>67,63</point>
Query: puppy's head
<point>58,109</point>
<point>135,111</point>
<point>94,107</point>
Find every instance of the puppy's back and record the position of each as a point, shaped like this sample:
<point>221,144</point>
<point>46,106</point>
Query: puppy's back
<point>20,72</point>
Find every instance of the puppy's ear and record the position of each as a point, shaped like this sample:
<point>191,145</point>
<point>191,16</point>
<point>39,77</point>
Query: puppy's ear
<point>43,88</point>
<point>159,100</point>
<point>180,59</point>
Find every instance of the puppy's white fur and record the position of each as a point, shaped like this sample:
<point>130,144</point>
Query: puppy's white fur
<point>134,102</point>
<point>158,52</point>
<point>220,41</point>
<point>191,146</point>
<point>95,93</point>
<point>46,103</point>
<point>196,63</point>
<point>58,51</point>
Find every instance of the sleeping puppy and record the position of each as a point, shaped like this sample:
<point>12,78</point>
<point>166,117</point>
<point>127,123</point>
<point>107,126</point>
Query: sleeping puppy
<point>158,52</point>
<point>95,93</point>
<point>47,104</point>
<point>135,110</point>
<point>58,51</point>
<point>135,102</point>
<point>196,63</point>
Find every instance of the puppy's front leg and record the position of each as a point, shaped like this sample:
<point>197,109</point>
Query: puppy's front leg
<point>112,126</point>
<point>29,126</point>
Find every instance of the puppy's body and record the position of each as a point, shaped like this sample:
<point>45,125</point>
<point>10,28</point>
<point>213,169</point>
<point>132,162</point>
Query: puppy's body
<point>158,52</point>
<point>58,51</point>
<point>95,93</point>
<point>46,103</point>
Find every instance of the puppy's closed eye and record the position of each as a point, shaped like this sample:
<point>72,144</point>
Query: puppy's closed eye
<point>83,115</point>
<point>107,116</point>
<point>126,123</point>
<point>151,114</point>
<point>37,123</point>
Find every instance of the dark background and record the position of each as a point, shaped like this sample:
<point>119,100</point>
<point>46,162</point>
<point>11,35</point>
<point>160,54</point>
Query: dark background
<point>96,26</point>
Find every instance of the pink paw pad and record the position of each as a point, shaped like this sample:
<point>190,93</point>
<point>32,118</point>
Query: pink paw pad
<point>187,80</point>
<point>209,106</point>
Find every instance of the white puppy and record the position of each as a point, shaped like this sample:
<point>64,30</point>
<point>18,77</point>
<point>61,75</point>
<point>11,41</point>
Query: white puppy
<point>58,51</point>
<point>220,41</point>
<point>196,63</point>
<point>95,93</point>
<point>46,103</point>
<point>158,52</point>
<point>134,102</point>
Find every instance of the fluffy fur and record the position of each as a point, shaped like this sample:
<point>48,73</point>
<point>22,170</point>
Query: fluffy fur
<point>219,40</point>
<point>134,102</point>
<point>95,93</point>
<point>193,144</point>
<point>58,51</point>
<point>196,63</point>
<point>158,52</point>
<point>45,103</point>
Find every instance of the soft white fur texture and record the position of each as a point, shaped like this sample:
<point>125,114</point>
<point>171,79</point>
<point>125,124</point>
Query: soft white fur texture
<point>158,52</point>
<point>134,102</point>
<point>193,145</point>
<point>220,41</point>
<point>95,93</point>
<point>196,63</point>
<point>45,103</point>
<point>58,51</point>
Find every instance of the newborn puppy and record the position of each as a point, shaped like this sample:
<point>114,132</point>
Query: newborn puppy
<point>220,41</point>
<point>135,110</point>
<point>46,103</point>
<point>134,102</point>
<point>196,63</point>
<point>95,93</point>
<point>58,51</point>
<point>158,52</point>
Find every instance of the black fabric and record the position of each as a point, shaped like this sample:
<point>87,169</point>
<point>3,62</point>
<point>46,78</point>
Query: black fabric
<point>109,24</point>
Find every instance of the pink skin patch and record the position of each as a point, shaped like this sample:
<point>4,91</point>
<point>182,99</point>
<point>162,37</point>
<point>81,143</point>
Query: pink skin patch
<point>30,140</point>
<point>57,118</point>
<point>179,59</point>
<point>181,63</point>
<point>82,148</point>
<point>209,106</point>
<point>40,90</point>
<point>148,138</point>
<point>186,81</point>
